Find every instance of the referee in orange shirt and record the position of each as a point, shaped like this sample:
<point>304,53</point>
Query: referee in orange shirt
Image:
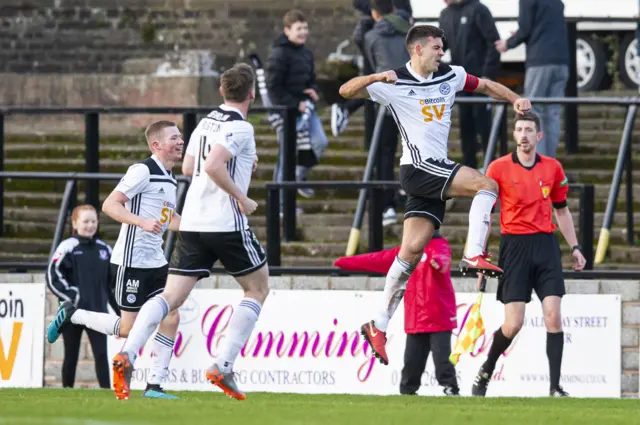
<point>530,186</point>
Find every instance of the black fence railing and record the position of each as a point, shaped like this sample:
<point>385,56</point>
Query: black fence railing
<point>273,224</point>
<point>92,139</point>
<point>189,122</point>
<point>375,229</point>
<point>499,133</point>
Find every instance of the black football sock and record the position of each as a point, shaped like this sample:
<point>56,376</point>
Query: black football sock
<point>555,345</point>
<point>499,345</point>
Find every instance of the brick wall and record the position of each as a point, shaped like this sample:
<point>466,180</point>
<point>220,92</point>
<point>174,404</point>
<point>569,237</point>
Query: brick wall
<point>629,292</point>
<point>142,36</point>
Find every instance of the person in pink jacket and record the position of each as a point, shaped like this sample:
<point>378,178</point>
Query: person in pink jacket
<point>429,311</point>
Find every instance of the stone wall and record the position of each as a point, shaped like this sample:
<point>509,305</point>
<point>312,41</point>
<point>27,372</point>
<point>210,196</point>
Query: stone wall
<point>87,90</point>
<point>164,37</point>
<point>628,290</point>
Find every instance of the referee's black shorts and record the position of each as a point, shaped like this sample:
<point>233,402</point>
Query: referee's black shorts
<point>530,263</point>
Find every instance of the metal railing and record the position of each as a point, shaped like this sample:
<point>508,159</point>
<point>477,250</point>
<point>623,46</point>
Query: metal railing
<point>376,241</point>
<point>623,162</point>
<point>69,202</point>
<point>375,229</point>
<point>189,122</point>
<point>498,130</point>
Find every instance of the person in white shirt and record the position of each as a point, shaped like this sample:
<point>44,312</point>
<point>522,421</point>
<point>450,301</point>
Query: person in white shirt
<point>144,202</point>
<point>420,95</point>
<point>221,156</point>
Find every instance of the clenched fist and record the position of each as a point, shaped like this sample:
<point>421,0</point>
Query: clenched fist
<point>388,77</point>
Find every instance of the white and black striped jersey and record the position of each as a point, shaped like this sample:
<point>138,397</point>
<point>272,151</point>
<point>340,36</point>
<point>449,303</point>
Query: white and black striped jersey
<point>208,208</point>
<point>151,190</point>
<point>422,109</point>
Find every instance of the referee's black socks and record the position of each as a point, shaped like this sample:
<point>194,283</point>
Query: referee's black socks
<point>555,345</point>
<point>499,345</point>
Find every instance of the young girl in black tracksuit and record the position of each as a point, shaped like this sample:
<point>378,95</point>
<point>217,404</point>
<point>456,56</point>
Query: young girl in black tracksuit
<point>79,272</point>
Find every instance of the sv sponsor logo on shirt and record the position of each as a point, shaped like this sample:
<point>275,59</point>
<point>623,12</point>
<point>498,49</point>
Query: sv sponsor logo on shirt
<point>432,112</point>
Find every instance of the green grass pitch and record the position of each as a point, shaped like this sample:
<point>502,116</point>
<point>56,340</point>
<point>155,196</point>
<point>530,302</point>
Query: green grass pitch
<point>99,407</point>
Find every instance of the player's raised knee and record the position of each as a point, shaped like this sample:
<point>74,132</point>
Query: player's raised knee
<point>490,185</point>
<point>412,251</point>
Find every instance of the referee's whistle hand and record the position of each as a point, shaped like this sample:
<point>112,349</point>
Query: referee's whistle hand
<point>578,260</point>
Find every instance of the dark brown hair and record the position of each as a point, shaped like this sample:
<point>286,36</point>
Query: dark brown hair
<point>293,16</point>
<point>529,116</point>
<point>420,33</point>
<point>237,82</point>
<point>383,7</point>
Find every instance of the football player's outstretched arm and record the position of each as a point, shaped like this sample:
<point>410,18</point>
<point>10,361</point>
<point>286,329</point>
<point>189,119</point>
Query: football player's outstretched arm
<point>501,92</point>
<point>356,88</point>
<point>216,168</point>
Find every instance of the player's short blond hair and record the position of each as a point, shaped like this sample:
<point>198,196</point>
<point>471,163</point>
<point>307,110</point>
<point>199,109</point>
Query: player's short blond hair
<point>156,127</point>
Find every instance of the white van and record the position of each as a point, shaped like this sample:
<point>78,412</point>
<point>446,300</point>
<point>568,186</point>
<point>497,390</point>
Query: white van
<point>593,44</point>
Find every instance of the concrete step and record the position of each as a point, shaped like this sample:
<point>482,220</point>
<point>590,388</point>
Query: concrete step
<point>22,200</point>
<point>318,228</point>
<point>453,218</point>
<point>33,151</point>
<point>302,261</point>
<point>617,253</point>
<point>20,246</point>
<point>351,170</point>
<point>306,261</point>
<point>122,156</point>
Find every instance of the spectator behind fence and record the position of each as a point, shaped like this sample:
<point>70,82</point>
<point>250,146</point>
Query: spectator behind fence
<point>340,111</point>
<point>385,48</point>
<point>79,272</point>
<point>541,26</point>
<point>291,81</point>
<point>471,35</point>
<point>429,311</point>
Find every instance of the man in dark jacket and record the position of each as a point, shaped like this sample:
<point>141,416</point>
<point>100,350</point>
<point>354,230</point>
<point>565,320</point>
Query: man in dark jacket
<point>385,48</point>
<point>340,112</point>
<point>291,81</point>
<point>471,35</point>
<point>541,26</point>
